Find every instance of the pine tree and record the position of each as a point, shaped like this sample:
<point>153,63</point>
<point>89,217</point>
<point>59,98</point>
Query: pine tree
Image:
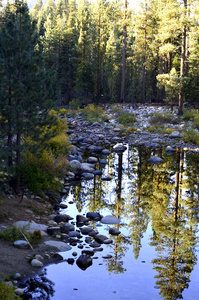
<point>22,84</point>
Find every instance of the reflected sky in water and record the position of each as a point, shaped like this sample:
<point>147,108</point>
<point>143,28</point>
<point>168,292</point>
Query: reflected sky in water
<point>155,256</point>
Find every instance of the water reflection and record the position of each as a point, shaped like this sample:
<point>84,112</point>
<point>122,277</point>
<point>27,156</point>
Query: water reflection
<point>38,288</point>
<point>163,196</point>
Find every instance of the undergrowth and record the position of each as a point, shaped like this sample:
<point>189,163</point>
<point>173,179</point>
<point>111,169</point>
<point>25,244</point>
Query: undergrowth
<point>15,233</point>
<point>7,292</point>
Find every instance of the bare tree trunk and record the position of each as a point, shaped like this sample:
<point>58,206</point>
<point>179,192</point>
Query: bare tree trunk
<point>182,66</point>
<point>122,95</point>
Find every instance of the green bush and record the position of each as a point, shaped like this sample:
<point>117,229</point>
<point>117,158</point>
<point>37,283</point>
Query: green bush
<point>191,136</point>
<point>93,113</point>
<point>126,118</point>
<point>189,115</point>
<point>42,173</point>
<point>196,121</point>
<point>7,292</point>
<point>14,233</point>
<point>74,104</point>
<point>162,118</point>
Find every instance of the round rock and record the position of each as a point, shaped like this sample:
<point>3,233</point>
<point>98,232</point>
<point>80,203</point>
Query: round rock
<point>110,220</point>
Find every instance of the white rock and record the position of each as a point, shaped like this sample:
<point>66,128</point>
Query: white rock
<point>61,246</point>
<point>19,291</point>
<point>36,263</point>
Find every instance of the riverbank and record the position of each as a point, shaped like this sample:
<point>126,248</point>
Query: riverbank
<point>87,137</point>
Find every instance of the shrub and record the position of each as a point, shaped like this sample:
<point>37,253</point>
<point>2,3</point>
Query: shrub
<point>196,121</point>
<point>41,173</point>
<point>74,104</point>
<point>7,292</point>
<point>189,115</point>
<point>162,118</point>
<point>14,233</point>
<point>191,136</point>
<point>93,113</point>
<point>126,118</point>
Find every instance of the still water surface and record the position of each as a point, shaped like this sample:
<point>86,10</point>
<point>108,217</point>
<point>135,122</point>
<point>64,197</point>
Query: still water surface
<point>155,256</point>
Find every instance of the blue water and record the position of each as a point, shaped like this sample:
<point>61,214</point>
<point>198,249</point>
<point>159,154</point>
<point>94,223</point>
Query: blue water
<point>155,224</point>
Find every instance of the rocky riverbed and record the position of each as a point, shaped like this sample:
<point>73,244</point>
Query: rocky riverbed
<point>61,232</point>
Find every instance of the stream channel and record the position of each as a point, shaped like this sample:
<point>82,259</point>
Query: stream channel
<point>155,255</point>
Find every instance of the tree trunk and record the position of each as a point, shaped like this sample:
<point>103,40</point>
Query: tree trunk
<point>182,66</point>
<point>122,95</point>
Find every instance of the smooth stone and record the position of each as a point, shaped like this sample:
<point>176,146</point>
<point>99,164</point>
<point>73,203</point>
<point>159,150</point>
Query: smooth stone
<point>54,230</point>
<point>114,231</point>
<point>107,178</point>
<point>108,241</point>
<point>88,252</point>
<point>75,234</point>
<point>155,160</point>
<point>81,219</point>
<point>88,176</point>
<point>100,238</point>
<point>119,148</point>
<point>97,172</point>
<point>170,149</point>
<point>39,257</point>
<point>68,227</point>
<point>103,161</point>
<point>92,160</point>
<point>93,215</point>
<point>86,230</point>
<point>63,206</point>
<point>19,291</point>
<point>61,246</point>
<point>109,219</point>
<point>21,244</point>
<point>36,263</point>
<point>108,256</point>
<point>87,168</point>
<point>30,226</point>
<point>84,261</point>
<point>176,134</point>
<point>62,218</point>
<point>76,166</point>
<point>105,152</point>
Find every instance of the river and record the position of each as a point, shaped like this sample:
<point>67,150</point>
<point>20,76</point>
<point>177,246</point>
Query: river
<point>155,255</point>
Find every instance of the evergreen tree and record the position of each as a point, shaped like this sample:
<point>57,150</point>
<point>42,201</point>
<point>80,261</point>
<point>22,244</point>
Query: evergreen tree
<point>23,84</point>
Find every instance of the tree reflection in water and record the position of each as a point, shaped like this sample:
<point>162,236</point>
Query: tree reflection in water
<point>164,196</point>
<point>38,288</point>
<point>174,237</point>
